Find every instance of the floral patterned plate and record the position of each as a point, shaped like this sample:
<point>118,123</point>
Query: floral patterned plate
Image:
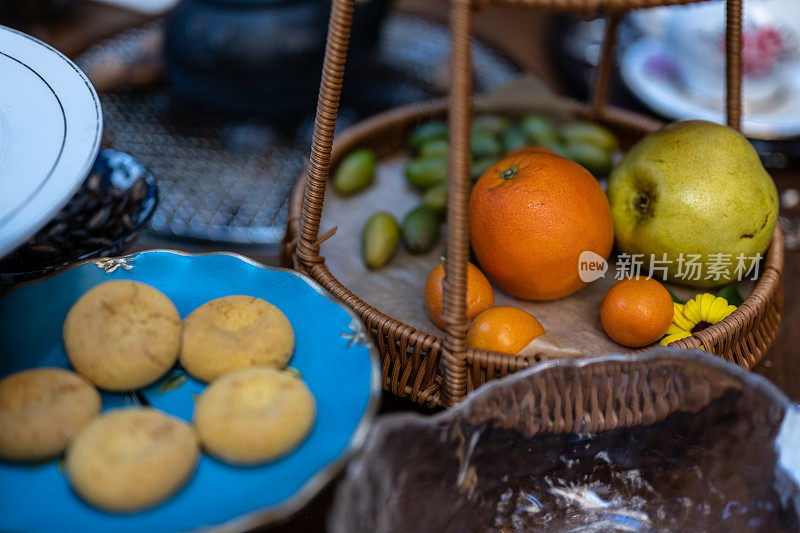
<point>332,353</point>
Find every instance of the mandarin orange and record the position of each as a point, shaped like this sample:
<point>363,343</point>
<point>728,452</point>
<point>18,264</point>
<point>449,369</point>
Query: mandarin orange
<point>636,311</point>
<point>480,295</point>
<point>503,329</point>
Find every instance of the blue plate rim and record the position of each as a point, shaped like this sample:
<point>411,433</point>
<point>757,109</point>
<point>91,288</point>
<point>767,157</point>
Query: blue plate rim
<point>281,511</point>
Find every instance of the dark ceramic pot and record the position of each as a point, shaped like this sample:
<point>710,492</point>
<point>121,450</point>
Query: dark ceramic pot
<point>258,56</point>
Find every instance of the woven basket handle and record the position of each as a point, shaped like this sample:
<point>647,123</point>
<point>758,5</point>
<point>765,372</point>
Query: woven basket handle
<point>454,310</point>
<point>330,90</point>
<point>733,64</point>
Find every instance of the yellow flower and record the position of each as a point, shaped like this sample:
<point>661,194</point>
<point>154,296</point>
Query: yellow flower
<point>695,315</point>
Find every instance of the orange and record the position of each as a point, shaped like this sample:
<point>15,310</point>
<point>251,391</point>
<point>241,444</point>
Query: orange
<point>503,329</point>
<point>636,311</point>
<point>480,295</point>
<point>531,215</point>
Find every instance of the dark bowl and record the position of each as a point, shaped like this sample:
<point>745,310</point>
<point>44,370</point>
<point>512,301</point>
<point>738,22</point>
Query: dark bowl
<point>117,170</point>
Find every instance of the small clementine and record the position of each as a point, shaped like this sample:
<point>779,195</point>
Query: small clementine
<point>636,311</point>
<point>480,295</point>
<point>503,329</point>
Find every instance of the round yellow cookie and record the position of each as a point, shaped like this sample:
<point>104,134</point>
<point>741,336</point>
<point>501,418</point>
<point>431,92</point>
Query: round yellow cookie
<point>131,459</point>
<point>254,415</point>
<point>123,335</point>
<point>41,410</point>
<point>235,332</point>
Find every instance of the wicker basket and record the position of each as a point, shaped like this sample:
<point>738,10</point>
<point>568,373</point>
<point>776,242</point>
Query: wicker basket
<point>434,371</point>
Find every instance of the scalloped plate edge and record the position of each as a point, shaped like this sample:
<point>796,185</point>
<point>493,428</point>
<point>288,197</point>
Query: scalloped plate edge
<point>280,512</point>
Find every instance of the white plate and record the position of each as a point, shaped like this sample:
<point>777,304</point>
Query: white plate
<point>50,128</point>
<point>649,71</point>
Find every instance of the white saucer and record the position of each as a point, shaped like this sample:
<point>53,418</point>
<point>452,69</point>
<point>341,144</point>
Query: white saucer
<point>50,129</point>
<point>649,71</point>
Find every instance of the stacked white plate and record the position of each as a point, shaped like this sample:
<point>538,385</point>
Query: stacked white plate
<point>50,129</point>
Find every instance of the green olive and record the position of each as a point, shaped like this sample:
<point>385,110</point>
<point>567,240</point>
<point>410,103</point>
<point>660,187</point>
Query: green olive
<point>513,138</point>
<point>424,172</point>
<point>427,132</point>
<point>436,198</point>
<point>558,148</point>
<point>379,239</point>
<point>589,133</point>
<point>491,124</point>
<point>480,166</point>
<point>539,129</point>
<point>356,172</point>
<point>483,144</point>
<point>420,229</point>
<point>596,160</point>
<point>434,148</point>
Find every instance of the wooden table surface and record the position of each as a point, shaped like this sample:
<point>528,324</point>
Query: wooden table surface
<point>522,36</point>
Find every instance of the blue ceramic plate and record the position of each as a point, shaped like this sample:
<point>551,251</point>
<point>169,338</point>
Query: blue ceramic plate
<point>332,352</point>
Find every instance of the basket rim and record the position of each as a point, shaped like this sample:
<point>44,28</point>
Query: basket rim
<point>766,287</point>
<point>657,354</point>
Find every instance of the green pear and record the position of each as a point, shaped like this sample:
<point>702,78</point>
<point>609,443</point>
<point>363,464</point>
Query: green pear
<point>692,189</point>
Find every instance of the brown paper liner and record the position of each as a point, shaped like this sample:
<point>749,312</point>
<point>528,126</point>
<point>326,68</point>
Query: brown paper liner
<point>546,347</point>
